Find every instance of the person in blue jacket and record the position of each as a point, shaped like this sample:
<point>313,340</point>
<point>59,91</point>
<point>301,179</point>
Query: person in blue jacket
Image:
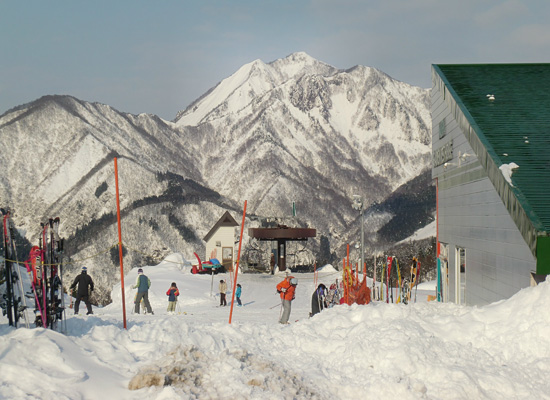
<point>142,285</point>
<point>238,295</point>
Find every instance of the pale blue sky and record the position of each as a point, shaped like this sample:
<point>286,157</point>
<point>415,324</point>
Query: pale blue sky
<point>158,56</point>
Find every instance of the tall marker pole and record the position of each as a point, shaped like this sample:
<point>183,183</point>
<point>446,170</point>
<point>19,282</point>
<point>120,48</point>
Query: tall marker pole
<point>362,239</point>
<point>120,247</point>
<point>237,265</point>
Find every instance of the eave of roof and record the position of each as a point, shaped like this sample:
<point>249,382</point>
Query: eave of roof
<point>225,220</point>
<point>282,233</point>
<point>515,127</point>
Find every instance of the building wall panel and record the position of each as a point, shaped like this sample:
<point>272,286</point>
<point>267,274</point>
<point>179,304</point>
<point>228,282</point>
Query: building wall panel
<point>472,215</point>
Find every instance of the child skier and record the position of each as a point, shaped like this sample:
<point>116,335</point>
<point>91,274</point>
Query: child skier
<point>172,294</point>
<point>238,294</point>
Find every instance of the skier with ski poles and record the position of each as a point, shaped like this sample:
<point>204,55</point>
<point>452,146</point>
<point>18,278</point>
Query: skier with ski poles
<point>143,283</point>
<point>287,290</point>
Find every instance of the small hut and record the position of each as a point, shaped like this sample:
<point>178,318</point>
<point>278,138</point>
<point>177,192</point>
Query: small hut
<point>220,241</point>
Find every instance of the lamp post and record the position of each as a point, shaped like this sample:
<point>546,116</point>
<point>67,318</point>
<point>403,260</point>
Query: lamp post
<point>358,205</point>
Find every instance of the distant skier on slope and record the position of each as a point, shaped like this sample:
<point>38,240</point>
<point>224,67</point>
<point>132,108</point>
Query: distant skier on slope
<point>172,294</point>
<point>238,294</point>
<point>143,283</point>
<point>83,280</point>
<point>223,290</point>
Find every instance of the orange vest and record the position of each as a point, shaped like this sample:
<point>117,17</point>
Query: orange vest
<point>289,293</point>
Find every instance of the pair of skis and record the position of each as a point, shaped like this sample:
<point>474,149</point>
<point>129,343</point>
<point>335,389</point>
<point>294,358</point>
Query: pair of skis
<point>415,273</point>
<point>45,270</point>
<point>392,264</point>
<point>405,287</point>
<point>12,299</point>
<point>53,299</point>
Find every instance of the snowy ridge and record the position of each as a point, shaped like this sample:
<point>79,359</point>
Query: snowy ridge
<point>252,80</point>
<point>422,233</point>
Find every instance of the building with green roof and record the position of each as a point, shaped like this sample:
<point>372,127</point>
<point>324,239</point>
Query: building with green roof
<point>491,162</point>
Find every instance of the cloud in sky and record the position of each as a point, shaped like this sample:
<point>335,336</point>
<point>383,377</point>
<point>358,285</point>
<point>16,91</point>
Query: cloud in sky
<point>158,57</point>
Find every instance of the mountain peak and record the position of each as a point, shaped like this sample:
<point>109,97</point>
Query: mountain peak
<point>251,81</point>
<point>298,64</point>
<point>301,56</point>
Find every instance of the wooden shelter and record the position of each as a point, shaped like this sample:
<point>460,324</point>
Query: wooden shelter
<point>282,234</point>
<point>220,241</point>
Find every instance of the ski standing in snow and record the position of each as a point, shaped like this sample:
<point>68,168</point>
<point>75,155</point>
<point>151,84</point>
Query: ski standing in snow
<point>12,303</point>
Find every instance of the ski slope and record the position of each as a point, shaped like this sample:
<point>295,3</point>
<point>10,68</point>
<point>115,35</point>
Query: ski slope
<point>424,350</point>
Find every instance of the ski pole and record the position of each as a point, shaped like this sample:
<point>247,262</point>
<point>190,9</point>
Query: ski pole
<point>417,279</point>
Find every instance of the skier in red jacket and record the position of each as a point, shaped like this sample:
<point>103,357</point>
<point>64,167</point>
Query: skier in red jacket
<point>172,294</point>
<point>287,289</point>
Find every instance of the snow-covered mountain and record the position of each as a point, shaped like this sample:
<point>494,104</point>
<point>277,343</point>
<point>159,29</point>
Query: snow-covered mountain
<point>318,134</point>
<point>295,129</point>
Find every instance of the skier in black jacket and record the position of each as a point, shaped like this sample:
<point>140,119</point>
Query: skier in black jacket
<point>83,280</point>
<point>318,299</point>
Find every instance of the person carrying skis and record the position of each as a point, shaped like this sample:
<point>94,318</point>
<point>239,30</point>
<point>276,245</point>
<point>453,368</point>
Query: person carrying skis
<point>84,281</point>
<point>287,289</point>
<point>318,299</point>
<point>238,295</point>
<point>142,285</point>
<point>172,294</point>
<point>223,289</point>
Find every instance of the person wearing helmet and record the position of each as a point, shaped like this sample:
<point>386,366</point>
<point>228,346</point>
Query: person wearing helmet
<point>83,280</point>
<point>286,290</point>
<point>143,283</point>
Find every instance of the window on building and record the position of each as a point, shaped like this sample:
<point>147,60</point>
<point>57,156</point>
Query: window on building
<point>442,128</point>
<point>460,275</point>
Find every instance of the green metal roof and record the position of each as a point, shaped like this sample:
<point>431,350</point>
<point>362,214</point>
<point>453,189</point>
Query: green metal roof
<point>514,127</point>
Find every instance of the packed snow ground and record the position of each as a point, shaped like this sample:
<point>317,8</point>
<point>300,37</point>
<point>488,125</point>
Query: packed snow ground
<point>424,350</point>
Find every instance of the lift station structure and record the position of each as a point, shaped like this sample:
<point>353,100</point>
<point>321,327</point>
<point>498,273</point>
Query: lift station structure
<point>281,234</point>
